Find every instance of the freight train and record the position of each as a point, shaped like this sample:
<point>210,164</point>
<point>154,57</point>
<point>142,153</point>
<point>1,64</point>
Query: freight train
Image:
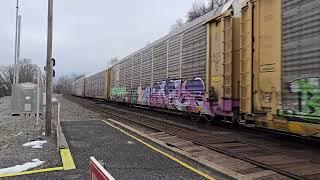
<point>260,68</point>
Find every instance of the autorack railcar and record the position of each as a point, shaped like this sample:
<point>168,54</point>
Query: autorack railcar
<point>78,87</point>
<point>261,68</point>
<point>95,85</point>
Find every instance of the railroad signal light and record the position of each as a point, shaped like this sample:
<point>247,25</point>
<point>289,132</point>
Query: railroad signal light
<point>53,61</point>
<point>53,64</point>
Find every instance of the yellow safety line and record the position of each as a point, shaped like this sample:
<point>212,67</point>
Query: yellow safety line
<point>163,153</point>
<point>67,159</point>
<point>67,162</point>
<point>32,172</point>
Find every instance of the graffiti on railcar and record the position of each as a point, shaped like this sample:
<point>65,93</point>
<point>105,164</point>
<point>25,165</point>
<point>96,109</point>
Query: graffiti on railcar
<point>187,95</point>
<point>308,90</point>
<point>183,95</point>
<point>308,97</point>
<point>176,94</point>
<point>118,93</point>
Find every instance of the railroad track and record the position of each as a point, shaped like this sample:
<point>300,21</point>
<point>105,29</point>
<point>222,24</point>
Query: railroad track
<point>287,164</point>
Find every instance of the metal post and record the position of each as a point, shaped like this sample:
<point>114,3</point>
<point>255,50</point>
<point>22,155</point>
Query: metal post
<point>18,49</point>
<point>15,44</point>
<point>58,114</point>
<point>38,95</point>
<point>49,70</point>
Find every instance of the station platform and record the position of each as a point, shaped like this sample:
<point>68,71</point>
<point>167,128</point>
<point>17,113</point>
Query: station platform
<point>123,156</point>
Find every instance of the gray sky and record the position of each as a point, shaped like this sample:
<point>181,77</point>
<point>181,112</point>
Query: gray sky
<point>87,33</point>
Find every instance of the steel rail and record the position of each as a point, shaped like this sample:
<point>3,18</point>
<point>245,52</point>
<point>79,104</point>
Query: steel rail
<point>159,126</point>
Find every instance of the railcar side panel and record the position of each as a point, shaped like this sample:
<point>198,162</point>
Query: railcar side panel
<point>224,58</point>
<point>301,60</point>
<point>95,85</point>
<point>174,57</point>
<point>246,59</point>
<point>171,73</point>
<point>236,60</point>
<point>281,79</point>
<point>117,89</point>
<point>260,69</point>
<point>146,68</point>
<point>194,47</point>
<point>107,83</point>
<point>79,87</point>
<point>263,67</point>
<point>160,62</point>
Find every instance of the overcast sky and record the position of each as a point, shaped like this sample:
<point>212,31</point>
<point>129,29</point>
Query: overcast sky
<point>87,33</point>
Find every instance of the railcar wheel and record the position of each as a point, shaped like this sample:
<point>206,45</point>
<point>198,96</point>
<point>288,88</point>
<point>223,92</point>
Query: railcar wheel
<point>195,117</point>
<point>236,120</point>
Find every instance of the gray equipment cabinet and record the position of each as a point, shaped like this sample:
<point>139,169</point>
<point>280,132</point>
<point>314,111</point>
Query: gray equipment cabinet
<point>24,99</point>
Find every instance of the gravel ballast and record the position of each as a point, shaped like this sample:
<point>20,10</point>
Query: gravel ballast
<point>18,130</point>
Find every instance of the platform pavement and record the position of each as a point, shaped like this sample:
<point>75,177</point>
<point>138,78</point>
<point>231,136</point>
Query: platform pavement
<point>124,157</point>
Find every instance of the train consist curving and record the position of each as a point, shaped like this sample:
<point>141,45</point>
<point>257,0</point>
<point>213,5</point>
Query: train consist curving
<point>262,67</point>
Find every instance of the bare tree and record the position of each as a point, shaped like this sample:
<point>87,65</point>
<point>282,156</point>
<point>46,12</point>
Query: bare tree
<point>7,74</point>
<point>201,7</point>
<point>27,71</point>
<point>179,23</point>
<point>64,83</point>
<point>213,4</point>
<point>3,87</point>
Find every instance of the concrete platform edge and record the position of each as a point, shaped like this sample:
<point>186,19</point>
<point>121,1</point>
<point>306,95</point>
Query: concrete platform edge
<point>216,167</point>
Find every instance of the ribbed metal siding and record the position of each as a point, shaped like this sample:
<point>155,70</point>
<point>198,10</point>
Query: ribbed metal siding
<point>122,74</point>
<point>160,62</point>
<point>115,76</point>
<point>300,45</point>
<point>127,73</point>
<point>95,85</point>
<point>79,87</point>
<point>113,82</point>
<point>174,57</point>
<point>146,68</point>
<point>136,68</point>
<point>99,84</point>
<point>194,53</point>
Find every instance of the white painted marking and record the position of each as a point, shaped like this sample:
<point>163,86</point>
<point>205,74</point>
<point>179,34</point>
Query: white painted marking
<point>35,144</point>
<point>23,167</point>
<point>130,142</point>
<point>19,134</point>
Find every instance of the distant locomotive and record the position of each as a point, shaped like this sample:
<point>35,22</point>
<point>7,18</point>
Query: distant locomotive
<point>261,68</point>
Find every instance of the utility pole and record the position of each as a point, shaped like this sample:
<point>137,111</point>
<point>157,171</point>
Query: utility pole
<point>18,49</point>
<point>49,69</point>
<point>15,45</point>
